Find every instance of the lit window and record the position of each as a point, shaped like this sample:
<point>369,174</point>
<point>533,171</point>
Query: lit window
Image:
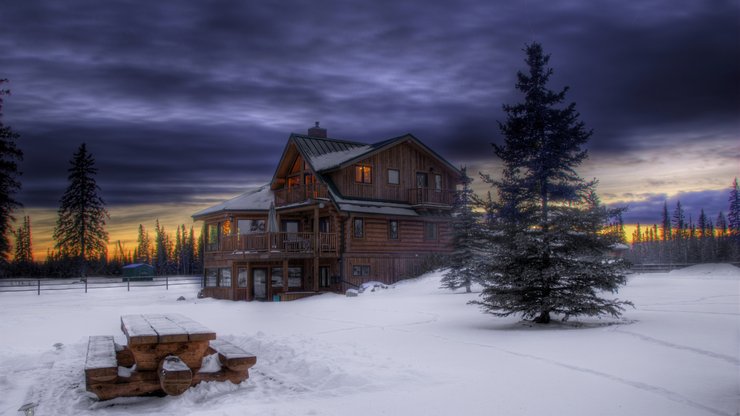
<point>363,174</point>
<point>358,228</point>
<point>226,227</point>
<point>430,231</point>
<point>394,177</point>
<point>393,229</point>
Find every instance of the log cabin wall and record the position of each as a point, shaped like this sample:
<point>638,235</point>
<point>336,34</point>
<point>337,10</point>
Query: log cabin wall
<point>408,159</point>
<point>390,260</point>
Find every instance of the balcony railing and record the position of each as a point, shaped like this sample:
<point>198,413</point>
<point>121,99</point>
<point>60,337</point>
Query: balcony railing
<point>431,196</point>
<point>301,193</point>
<point>277,243</point>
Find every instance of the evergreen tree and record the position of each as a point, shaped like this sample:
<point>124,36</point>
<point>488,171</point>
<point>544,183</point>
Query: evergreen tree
<point>192,256</point>
<point>80,229</point>
<point>733,215</point>
<point>10,157</point>
<point>465,240</point>
<point>143,249</point>
<point>550,254</point>
<point>23,259</point>
<point>666,222</point>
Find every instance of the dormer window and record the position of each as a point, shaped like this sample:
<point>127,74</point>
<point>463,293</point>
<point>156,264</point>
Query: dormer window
<point>363,174</point>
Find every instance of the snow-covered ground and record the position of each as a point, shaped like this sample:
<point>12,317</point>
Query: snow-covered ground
<point>411,349</point>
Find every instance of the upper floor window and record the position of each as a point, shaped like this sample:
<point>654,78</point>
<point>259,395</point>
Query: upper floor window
<point>393,229</point>
<point>363,174</point>
<point>394,177</point>
<point>437,182</point>
<point>358,228</point>
<point>422,180</point>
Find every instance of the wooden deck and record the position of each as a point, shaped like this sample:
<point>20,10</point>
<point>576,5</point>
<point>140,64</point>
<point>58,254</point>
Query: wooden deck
<point>278,245</point>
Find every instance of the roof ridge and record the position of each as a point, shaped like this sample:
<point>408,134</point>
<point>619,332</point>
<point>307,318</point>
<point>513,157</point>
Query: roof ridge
<point>328,139</point>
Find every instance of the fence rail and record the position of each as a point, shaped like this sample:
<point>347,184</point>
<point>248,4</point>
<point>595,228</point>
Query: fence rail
<point>83,285</point>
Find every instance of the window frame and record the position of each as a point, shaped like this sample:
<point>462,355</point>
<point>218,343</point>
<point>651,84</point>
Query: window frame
<point>434,231</point>
<point>222,271</point>
<point>426,180</point>
<point>361,235</point>
<point>364,173</point>
<point>393,233</point>
<point>438,182</point>
<point>360,270</point>
<point>398,177</point>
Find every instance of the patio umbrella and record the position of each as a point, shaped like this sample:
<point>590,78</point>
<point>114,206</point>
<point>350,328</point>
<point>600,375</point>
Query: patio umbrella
<point>272,225</point>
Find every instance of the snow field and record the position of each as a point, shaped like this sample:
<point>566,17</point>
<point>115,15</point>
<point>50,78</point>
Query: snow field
<point>411,349</point>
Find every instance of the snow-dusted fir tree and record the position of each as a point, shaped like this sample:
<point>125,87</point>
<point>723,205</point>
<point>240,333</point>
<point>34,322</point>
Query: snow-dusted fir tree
<point>80,231</point>
<point>466,239</point>
<point>10,157</point>
<point>551,254</point>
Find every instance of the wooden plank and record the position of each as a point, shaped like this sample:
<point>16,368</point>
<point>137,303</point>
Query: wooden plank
<point>232,356</point>
<point>167,330</point>
<point>100,364</point>
<point>138,330</point>
<point>195,331</point>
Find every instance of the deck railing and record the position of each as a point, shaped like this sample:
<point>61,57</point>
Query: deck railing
<point>282,242</point>
<point>431,196</point>
<point>301,193</point>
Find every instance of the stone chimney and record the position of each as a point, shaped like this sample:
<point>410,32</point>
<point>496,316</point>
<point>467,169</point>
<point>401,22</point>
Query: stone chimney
<point>317,131</point>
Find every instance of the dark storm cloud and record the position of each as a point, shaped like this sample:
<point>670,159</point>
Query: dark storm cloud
<point>185,99</point>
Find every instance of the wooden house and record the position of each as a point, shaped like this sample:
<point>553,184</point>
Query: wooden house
<point>337,213</point>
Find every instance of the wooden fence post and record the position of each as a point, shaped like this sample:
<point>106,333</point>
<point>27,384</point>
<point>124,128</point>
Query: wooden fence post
<point>167,282</point>
<point>128,284</point>
<point>85,285</point>
<point>38,287</point>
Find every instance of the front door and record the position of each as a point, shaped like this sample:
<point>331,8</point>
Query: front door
<point>260,283</point>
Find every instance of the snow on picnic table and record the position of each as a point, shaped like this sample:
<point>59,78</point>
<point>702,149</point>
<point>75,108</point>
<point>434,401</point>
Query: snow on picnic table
<point>411,349</point>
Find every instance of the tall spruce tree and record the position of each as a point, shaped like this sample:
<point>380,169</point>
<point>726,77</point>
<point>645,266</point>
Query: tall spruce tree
<point>733,215</point>
<point>550,256</point>
<point>10,157</point>
<point>80,230</point>
<point>465,240</point>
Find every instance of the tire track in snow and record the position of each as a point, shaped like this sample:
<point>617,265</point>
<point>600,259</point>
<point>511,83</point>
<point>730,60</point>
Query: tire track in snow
<point>661,391</point>
<point>727,358</point>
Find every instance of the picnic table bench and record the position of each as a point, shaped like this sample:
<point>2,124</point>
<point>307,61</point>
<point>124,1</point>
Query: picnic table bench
<point>164,354</point>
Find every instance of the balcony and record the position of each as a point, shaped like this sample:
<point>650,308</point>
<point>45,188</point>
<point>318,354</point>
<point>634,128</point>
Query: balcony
<point>431,197</point>
<point>278,244</point>
<point>300,193</point>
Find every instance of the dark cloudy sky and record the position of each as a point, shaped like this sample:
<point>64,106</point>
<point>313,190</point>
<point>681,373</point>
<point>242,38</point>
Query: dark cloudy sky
<point>184,103</point>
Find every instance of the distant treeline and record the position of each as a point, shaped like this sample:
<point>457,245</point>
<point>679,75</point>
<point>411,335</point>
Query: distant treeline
<point>179,255</point>
<point>678,239</point>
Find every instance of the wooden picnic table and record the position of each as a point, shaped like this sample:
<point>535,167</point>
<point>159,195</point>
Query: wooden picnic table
<point>167,351</point>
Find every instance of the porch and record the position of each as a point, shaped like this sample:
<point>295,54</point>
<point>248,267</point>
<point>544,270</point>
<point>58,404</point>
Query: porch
<point>279,244</point>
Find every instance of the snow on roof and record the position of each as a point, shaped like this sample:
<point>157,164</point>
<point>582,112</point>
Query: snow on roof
<point>135,265</point>
<point>373,207</point>
<point>368,208</point>
<point>256,199</point>
<point>333,159</point>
